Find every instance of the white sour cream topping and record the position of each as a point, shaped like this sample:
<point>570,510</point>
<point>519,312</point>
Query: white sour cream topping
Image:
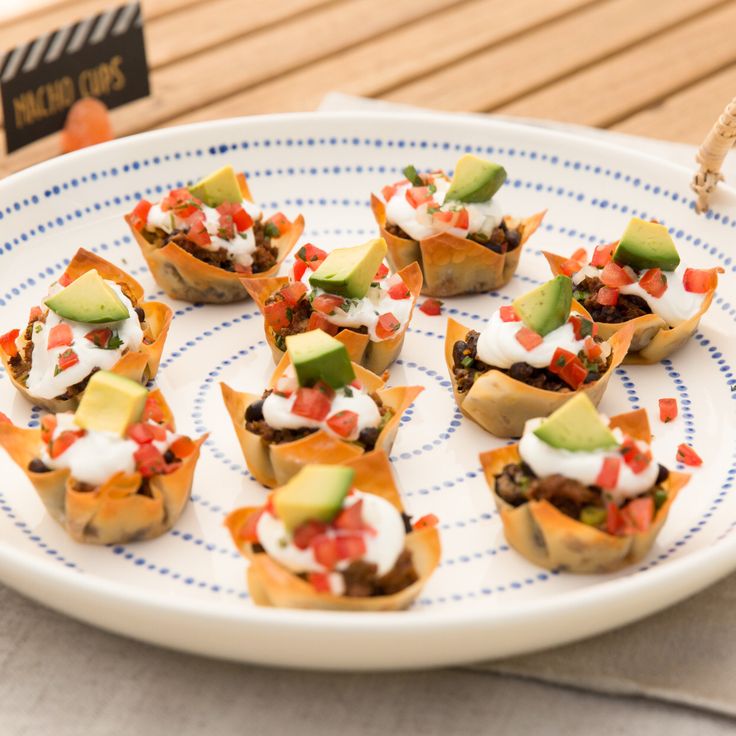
<point>96,456</point>
<point>277,412</point>
<point>498,346</point>
<point>382,548</point>
<point>675,306</point>
<point>240,248</point>
<point>584,467</point>
<point>41,380</point>
<point>483,217</point>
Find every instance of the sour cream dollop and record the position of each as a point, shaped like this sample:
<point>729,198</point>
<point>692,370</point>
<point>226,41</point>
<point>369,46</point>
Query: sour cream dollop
<point>584,467</point>
<point>483,217</point>
<point>41,380</point>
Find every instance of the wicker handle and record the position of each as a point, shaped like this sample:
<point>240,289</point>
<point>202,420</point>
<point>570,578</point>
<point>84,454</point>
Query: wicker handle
<point>711,155</point>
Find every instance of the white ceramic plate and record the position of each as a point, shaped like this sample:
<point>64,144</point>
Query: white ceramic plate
<point>187,590</point>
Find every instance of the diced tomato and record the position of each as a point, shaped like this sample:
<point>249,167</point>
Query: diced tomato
<point>528,339</point>
<point>443,216</point>
<point>249,531</point>
<point>318,321</point>
<point>4,419</point>
<point>583,327</point>
<point>344,423</point>
<point>356,384</point>
<point>64,441</point>
<point>299,268</point>
<point>35,314</point>
<point>639,513</point>
<point>307,532</point>
<point>325,551</point>
<point>687,456</point>
<point>193,217</point>
<point>607,297</point>
<point>463,219</point>
<point>325,388</point>
<point>350,546</point>
<point>181,202</point>
<point>280,222</point>
<point>603,254</point>
<point>139,215</point>
<point>508,314</point>
<point>48,425</point>
<point>100,338</point>
<point>327,303</point>
<point>149,460</point>
<point>654,282</point>
<point>311,255</point>
<point>568,367</point>
<point>198,234</point>
<point>387,326</point>
<point>700,281</point>
<point>7,343</point>
<point>320,581</point>
<point>241,219</point>
<point>311,403</point>
<point>143,432</point>
<point>431,307</point>
<point>182,447</point>
<point>293,292</point>
<point>417,196</point>
<point>67,359</point>
<point>59,335</point>
<point>388,191</point>
<point>638,460</point>
<point>225,227</point>
<point>614,276</point>
<point>608,476</point>
<point>350,518</point>
<point>65,279</point>
<point>614,520</point>
<point>277,314</point>
<point>592,349</point>
<point>381,273</point>
<point>399,290</point>
<point>426,521</point>
<point>667,410</point>
<point>153,411</point>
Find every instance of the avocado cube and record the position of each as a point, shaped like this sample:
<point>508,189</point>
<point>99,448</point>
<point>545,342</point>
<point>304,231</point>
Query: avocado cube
<point>316,356</point>
<point>547,307</point>
<point>475,180</point>
<point>576,426</point>
<point>315,493</point>
<point>350,271</point>
<point>89,299</point>
<point>111,403</point>
<point>220,186</point>
<point>646,244</point>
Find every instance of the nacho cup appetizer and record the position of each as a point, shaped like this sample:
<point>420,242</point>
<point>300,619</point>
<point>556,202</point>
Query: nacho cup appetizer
<point>197,241</point>
<point>529,359</point>
<point>93,318</point>
<point>592,509</point>
<point>454,230</point>
<point>319,408</point>
<point>335,538</point>
<point>114,472</point>
<point>369,316</point>
<point>638,281</point>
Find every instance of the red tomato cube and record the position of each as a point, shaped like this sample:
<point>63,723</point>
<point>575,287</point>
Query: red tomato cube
<point>387,326</point>
<point>327,303</point>
<point>293,292</point>
<point>608,475</point>
<point>7,343</point>
<point>344,423</point>
<point>607,297</point>
<point>603,254</point>
<point>654,282</point>
<point>528,339</point>
<point>307,532</point>
<point>700,281</point>
<point>318,321</point>
<point>687,456</point>
<point>311,403</point>
<point>139,215</point>
<point>667,410</point>
<point>508,314</point>
<point>431,307</point>
<point>276,314</point>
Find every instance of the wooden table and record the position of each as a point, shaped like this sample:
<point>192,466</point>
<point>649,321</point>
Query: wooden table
<point>660,68</point>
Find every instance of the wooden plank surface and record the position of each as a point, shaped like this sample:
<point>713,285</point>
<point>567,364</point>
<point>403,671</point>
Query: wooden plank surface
<point>663,68</point>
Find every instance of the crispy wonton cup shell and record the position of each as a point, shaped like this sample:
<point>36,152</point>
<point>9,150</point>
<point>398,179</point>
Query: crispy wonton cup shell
<point>139,365</point>
<point>274,464</point>
<point>452,265</point>
<point>652,340</point>
<point>375,356</point>
<point>112,513</point>
<point>271,584</point>
<point>502,405</point>
<point>550,539</point>
<point>184,277</point>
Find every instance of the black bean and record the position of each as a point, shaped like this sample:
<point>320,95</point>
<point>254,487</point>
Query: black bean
<point>38,466</point>
<point>368,437</point>
<point>169,456</point>
<point>141,314</point>
<point>458,352</point>
<point>662,475</point>
<point>254,412</point>
<point>513,238</point>
<point>521,371</point>
<point>407,523</point>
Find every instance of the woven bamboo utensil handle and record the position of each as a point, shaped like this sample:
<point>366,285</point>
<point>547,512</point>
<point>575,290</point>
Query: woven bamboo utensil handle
<point>711,155</point>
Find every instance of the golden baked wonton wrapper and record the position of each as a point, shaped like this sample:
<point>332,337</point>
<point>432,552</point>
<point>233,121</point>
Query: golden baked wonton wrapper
<point>184,277</point>
<point>652,340</point>
<point>273,464</point>
<point>375,356</point>
<point>271,584</point>
<point>452,265</point>
<point>548,538</point>
<point>502,405</point>
<point>139,365</point>
<point>114,512</point>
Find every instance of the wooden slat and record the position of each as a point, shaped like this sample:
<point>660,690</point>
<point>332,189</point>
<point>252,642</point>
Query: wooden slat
<point>688,115</point>
<point>384,62</point>
<point>618,87</point>
<point>504,73</point>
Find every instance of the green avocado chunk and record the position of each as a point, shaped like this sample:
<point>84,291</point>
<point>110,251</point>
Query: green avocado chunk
<point>576,426</point>
<point>547,307</point>
<point>89,299</point>
<point>220,186</point>
<point>316,356</point>
<point>475,180</point>
<point>646,244</point>
<point>111,403</point>
<point>350,271</point>
<point>315,493</point>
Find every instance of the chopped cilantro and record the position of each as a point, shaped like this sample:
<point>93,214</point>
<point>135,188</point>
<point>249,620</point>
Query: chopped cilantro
<point>348,392</point>
<point>467,361</point>
<point>114,342</point>
<point>411,174</point>
<point>271,231</point>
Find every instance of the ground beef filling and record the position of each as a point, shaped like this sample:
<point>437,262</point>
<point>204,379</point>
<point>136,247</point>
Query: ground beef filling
<point>362,580</point>
<point>466,368</point>
<point>516,484</point>
<point>502,240</point>
<point>628,306</point>
<point>255,422</point>
<point>264,257</point>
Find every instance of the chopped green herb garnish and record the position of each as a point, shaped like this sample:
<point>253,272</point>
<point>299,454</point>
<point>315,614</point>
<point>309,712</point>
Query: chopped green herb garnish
<point>593,515</point>
<point>411,174</point>
<point>271,231</point>
<point>348,392</point>
<point>579,295</point>
<point>660,497</point>
<point>467,361</point>
<point>114,342</point>
<point>431,188</point>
